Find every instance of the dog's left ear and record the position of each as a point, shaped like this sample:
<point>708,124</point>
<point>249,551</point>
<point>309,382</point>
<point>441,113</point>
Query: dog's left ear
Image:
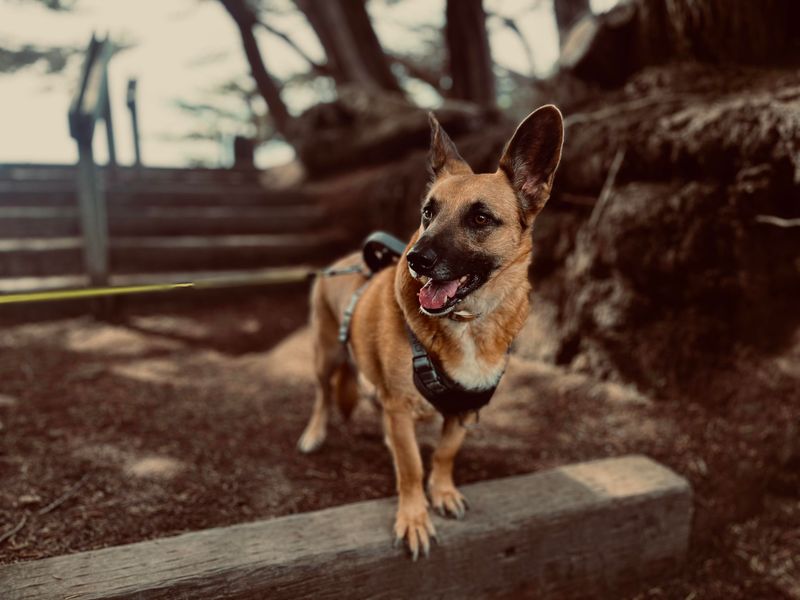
<point>532,155</point>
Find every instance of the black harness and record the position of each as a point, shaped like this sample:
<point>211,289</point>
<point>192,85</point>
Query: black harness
<point>447,396</point>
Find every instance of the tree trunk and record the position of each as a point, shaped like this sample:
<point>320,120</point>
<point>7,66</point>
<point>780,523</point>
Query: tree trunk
<point>720,31</point>
<point>567,13</point>
<point>354,53</point>
<point>267,87</point>
<point>680,260</point>
<point>611,47</point>
<point>469,55</point>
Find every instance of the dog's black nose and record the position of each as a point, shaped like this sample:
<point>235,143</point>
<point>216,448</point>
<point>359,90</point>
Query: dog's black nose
<point>422,259</point>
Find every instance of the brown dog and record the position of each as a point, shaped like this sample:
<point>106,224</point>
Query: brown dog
<point>461,287</point>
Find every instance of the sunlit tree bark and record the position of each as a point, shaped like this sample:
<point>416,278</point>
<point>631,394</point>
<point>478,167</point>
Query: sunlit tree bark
<point>567,13</point>
<point>354,53</point>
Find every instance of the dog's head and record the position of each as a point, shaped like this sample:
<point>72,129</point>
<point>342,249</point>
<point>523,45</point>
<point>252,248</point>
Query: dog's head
<point>475,225</point>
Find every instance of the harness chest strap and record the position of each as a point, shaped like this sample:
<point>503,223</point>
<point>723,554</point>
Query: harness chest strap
<point>447,396</point>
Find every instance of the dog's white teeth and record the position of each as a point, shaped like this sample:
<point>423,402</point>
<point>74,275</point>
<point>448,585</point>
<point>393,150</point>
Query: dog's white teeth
<point>463,279</point>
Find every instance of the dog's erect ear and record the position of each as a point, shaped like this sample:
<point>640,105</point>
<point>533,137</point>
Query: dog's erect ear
<point>444,157</point>
<point>531,157</point>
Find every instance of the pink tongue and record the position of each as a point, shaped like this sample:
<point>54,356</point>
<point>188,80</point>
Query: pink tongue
<point>434,294</point>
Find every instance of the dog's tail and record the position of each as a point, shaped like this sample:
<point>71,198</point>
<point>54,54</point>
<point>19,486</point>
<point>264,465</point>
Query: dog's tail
<point>345,388</point>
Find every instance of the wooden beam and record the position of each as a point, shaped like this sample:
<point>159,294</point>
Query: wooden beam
<point>585,530</point>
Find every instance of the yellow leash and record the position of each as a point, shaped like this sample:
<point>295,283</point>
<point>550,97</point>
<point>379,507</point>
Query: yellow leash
<point>267,277</point>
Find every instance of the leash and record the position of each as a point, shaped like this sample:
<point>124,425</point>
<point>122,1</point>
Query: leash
<point>267,277</point>
<point>379,250</point>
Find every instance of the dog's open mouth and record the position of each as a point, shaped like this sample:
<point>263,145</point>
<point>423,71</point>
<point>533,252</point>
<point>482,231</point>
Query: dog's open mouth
<point>440,297</point>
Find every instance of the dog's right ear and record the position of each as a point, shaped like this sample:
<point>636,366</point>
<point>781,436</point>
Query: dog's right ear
<point>532,156</point>
<point>444,158</point>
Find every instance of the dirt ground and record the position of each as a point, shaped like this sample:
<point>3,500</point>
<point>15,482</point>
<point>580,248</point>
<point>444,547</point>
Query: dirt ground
<point>187,418</point>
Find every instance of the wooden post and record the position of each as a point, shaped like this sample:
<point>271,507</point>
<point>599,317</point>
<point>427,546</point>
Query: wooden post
<point>593,530</point>
<point>94,222</point>
<point>91,102</point>
<point>112,148</point>
<point>131,101</point>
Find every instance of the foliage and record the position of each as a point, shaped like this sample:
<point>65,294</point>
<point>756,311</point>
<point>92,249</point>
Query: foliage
<point>53,4</point>
<point>56,58</point>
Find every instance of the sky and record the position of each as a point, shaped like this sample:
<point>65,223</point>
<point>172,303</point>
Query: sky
<point>182,51</point>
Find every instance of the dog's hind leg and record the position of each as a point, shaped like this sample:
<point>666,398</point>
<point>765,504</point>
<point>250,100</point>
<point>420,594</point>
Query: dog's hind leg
<point>329,358</point>
<point>314,434</point>
<point>445,497</point>
<point>345,388</point>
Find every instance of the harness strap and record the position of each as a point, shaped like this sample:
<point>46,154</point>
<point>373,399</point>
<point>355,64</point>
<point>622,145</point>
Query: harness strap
<point>378,251</point>
<point>347,317</point>
<point>447,396</point>
<point>333,272</point>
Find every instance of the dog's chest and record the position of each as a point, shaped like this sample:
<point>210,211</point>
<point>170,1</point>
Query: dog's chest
<point>474,369</point>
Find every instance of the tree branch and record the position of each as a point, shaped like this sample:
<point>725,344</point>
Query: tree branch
<point>321,69</point>
<point>418,72</point>
<point>777,221</point>
<point>245,20</point>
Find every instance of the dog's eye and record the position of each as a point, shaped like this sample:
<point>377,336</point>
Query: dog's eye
<point>480,219</point>
<point>427,213</point>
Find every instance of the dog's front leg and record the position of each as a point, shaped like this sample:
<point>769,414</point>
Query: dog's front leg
<point>445,497</point>
<point>413,521</point>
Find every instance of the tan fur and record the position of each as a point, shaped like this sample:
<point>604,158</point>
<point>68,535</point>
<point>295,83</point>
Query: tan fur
<point>474,350</point>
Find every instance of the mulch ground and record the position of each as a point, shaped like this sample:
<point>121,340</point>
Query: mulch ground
<point>185,419</point>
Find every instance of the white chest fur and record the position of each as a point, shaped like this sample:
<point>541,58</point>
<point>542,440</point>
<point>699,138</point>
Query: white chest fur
<point>474,371</point>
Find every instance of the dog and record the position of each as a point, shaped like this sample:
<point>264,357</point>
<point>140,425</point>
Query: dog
<point>460,289</point>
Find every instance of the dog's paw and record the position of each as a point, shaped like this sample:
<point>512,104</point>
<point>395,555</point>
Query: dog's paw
<point>448,501</point>
<point>311,440</point>
<point>414,525</point>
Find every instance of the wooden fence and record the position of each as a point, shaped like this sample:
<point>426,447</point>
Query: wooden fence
<point>87,225</point>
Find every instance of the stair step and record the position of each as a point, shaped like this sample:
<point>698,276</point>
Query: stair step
<point>220,278</point>
<point>18,285</point>
<point>44,221</point>
<point>133,254</point>
<point>174,195</point>
<point>14,245</point>
<point>26,257</point>
<point>33,172</point>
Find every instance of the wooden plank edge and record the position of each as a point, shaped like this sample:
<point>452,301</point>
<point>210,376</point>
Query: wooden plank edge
<point>584,530</point>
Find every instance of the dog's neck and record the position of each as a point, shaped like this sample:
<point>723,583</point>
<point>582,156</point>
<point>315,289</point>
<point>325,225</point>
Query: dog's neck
<point>472,351</point>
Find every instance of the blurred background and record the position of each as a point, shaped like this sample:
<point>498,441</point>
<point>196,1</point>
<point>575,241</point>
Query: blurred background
<point>274,135</point>
<point>196,90</point>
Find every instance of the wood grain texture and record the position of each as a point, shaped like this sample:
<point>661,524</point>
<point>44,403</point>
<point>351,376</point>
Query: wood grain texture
<point>584,530</point>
